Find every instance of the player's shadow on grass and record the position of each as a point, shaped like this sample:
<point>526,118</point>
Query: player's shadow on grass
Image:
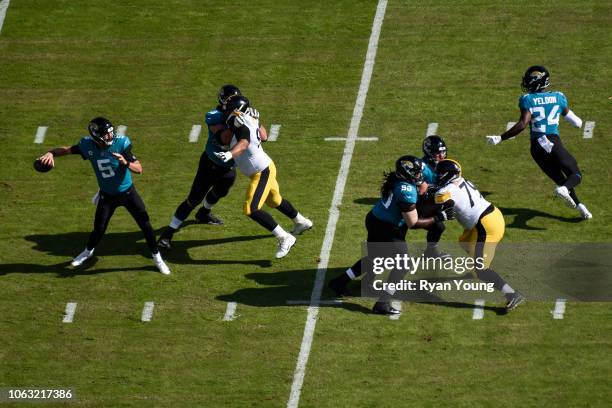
<point>285,288</point>
<point>68,245</point>
<point>523,215</point>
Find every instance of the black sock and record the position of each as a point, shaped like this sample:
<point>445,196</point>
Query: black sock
<point>264,219</point>
<point>490,276</point>
<point>287,208</point>
<point>572,181</point>
<point>572,194</point>
<point>434,232</point>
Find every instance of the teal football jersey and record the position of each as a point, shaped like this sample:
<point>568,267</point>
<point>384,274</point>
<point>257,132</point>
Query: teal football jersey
<point>113,178</point>
<point>429,175</point>
<point>215,117</point>
<point>388,208</point>
<point>546,109</point>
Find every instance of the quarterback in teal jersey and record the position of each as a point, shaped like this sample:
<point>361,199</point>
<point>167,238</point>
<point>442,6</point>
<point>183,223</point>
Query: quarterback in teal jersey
<point>113,162</point>
<point>388,221</point>
<point>541,109</point>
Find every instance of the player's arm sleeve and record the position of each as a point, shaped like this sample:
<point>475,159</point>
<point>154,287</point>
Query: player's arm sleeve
<point>79,148</point>
<point>523,103</point>
<point>241,133</point>
<point>128,155</point>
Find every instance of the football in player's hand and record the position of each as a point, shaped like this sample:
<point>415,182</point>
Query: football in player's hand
<point>40,167</point>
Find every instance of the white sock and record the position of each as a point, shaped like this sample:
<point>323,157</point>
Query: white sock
<point>175,223</point>
<point>298,218</point>
<point>350,273</point>
<point>279,232</point>
<point>157,256</point>
<point>207,205</point>
<point>507,289</point>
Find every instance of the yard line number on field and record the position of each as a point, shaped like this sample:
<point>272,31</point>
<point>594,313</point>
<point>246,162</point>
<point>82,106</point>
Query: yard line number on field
<point>334,212</point>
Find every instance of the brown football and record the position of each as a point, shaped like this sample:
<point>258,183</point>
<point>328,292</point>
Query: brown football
<point>40,167</point>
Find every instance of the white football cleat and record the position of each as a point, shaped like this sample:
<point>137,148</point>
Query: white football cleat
<point>284,245</point>
<point>82,257</point>
<point>302,226</point>
<point>563,193</point>
<point>161,265</point>
<point>584,212</point>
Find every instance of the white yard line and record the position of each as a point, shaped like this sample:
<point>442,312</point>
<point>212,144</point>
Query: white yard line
<point>4,4</point>
<point>274,130</point>
<point>432,129</point>
<point>559,309</point>
<point>121,129</point>
<point>397,305</point>
<point>588,130</point>
<point>334,211</point>
<point>147,312</point>
<point>509,125</point>
<point>359,139</point>
<point>195,133</point>
<point>478,309</point>
<point>40,134</point>
<point>69,313</point>
<point>230,312</point>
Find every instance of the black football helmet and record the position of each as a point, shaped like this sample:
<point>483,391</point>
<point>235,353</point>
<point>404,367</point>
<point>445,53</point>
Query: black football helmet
<point>226,92</point>
<point>236,103</point>
<point>98,129</point>
<point>432,146</point>
<point>410,168</point>
<point>447,171</point>
<point>536,79</point>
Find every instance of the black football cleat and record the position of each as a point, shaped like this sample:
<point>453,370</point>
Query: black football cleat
<point>339,286</point>
<point>514,299</point>
<point>164,243</point>
<point>165,239</point>
<point>204,216</point>
<point>385,308</point>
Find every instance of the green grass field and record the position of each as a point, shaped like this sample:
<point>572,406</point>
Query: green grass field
<point>156,66</point>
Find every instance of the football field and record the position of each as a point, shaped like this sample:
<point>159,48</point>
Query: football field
<point>348,103</point>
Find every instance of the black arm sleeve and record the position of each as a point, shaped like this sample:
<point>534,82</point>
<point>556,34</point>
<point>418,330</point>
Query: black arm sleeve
<point>128,155</point>
<point>75,149</point>
<point>242,132</point>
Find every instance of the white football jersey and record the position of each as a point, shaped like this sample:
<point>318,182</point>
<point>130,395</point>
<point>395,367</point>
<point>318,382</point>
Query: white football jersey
<point>253,160</point>
<point>469,203</point>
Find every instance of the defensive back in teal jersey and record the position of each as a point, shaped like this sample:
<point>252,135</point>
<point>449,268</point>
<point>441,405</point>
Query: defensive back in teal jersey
<point>546,109</point>
<point>113,178</point>
<point>388,208</point>
<point>215,117</point>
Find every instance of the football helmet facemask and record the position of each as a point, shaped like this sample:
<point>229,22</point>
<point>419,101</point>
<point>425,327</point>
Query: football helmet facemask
<point>410,169</point>
<point>447,171</point>
<point>536,79</point>
<point>102,131</point>
<point>226,92</point>
<point>432,146</point>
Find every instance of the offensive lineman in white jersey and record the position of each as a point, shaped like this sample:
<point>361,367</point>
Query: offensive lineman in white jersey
<point>483,224</point>
<point>245,148</point>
